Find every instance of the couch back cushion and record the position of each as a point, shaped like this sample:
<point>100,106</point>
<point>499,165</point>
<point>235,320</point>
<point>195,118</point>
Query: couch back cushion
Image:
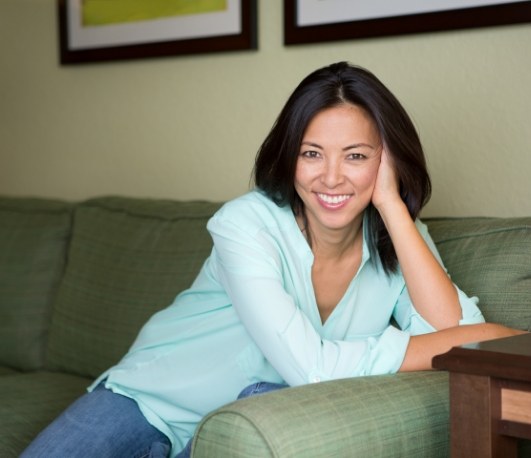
<point>34,234</point>
<point>128,259</point>
<point>490,258</point>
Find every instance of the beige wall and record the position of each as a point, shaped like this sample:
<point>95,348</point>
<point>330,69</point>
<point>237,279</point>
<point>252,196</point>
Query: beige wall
<point>188,127</point>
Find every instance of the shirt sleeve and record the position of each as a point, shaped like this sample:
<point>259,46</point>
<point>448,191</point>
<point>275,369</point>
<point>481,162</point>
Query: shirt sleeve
<point>411,321</point>
<point>250,270</point>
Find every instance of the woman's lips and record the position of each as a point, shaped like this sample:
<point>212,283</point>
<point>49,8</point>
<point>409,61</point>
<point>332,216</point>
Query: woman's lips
<point>333,200</point>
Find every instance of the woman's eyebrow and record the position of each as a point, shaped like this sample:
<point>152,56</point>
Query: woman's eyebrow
<point>346,148</point>
<point>358,145</point>
<point>354,145</point>
<point>315,145</point>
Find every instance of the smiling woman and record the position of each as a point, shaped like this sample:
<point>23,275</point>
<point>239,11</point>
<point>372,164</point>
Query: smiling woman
<point>322,272</point>
<point>104,12</point>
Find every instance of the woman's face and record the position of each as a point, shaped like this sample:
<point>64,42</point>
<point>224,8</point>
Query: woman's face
<point>336,168</point>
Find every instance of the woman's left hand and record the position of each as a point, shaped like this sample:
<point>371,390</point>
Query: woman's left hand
<point>386,189</point>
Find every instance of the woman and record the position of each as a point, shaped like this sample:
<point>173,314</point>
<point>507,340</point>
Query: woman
<point>305,276</point>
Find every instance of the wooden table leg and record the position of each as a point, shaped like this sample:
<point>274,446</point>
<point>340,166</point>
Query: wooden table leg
<point>475,406</point>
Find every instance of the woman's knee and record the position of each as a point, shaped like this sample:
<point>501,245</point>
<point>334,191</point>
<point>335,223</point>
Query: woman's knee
<point>104,422</point>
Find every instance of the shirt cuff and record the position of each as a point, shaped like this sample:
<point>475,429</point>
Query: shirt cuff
<point>386,353</point>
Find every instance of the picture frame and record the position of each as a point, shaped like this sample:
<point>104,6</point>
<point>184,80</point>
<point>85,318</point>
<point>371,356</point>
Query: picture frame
<point>312,21</point>
<point>233,28</point>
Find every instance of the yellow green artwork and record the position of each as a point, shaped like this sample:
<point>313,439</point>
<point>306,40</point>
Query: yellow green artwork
<point>107,12</point>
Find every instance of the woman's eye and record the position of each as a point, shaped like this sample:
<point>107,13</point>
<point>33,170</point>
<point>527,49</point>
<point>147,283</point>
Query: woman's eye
<point>356,156</point>
<point>310,154</point>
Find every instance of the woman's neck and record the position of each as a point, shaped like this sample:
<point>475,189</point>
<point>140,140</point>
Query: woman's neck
<point>333,243</point>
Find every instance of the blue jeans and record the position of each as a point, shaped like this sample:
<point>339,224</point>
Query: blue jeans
<point>104,424</point>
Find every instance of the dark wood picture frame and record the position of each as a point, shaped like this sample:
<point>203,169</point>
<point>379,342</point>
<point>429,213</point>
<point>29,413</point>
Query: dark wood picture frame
<point>480,16</point>
<point>246,40</point>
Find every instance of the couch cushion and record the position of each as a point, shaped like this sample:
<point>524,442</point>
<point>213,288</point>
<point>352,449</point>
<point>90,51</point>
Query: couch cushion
<point>28,402</point>
<point>490,258</point>
<point>401,415</point>
<point>33,241</point>
<point>398,415</point>
<point>128,259</point>
<point>4,370</point>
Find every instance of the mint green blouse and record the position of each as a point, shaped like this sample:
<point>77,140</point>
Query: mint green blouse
<point>251,316</point>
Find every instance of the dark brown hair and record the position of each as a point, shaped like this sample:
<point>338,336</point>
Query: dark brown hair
<point>336,84</point>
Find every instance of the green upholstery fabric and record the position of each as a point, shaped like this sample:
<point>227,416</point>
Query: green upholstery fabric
<point>4,370</point>
<point>490,258</point>
<point>384,416</point>
<point>128,259</point>
<point>29,402</point>
<point>33,241</point>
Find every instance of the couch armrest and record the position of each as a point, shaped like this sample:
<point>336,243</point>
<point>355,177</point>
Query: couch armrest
<point>404,414</point>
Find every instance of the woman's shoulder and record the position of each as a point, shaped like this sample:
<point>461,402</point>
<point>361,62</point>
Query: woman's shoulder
<point>252,203</point>
<point>252,211</point>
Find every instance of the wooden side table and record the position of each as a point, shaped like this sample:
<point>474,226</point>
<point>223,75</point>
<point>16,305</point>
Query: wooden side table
<point>490,396</point>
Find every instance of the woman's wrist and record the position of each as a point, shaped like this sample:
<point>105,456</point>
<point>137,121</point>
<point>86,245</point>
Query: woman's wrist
<point>392,211</point>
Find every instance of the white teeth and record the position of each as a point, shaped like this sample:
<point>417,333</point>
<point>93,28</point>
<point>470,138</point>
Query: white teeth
<point>333,199</point>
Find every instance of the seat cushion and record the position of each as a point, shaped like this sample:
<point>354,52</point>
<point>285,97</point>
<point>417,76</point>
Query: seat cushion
<point>34,234</point>
<point>490,258</point>
<point>390,415</point>
<point>29,402</point>
<point>4,370</point>
<point>128,259</point>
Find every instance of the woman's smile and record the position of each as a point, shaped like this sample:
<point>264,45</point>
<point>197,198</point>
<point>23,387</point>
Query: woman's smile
<point>333,201</point>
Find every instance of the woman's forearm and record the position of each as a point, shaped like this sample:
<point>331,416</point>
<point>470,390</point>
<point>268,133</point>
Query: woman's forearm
<point>430,289</point>
<point>423,348</point>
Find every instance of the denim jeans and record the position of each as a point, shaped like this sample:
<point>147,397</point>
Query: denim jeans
<point>107,425</point>
<point>100,424</point>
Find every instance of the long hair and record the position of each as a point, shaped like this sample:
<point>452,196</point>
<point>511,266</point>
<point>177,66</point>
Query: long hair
<point>336,84</point>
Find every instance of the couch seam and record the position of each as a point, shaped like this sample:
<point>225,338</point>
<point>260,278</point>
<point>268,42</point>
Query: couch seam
<point>481,234</point>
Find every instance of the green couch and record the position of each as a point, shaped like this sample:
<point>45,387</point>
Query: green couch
<point>77,281</point>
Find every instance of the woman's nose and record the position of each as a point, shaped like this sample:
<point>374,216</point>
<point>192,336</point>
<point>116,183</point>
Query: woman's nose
<point>332,175</point>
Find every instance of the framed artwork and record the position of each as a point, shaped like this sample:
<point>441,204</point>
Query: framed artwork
<point>103,30</point>
<point>311,21</point>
